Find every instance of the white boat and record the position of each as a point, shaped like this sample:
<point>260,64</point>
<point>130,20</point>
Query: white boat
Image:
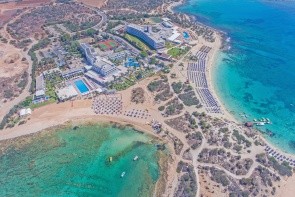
<point>123,174</point>
<point>260,124</point>
<point>135,158</point>
<point>255,120</point>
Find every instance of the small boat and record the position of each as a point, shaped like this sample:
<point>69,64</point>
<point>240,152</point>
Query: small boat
<point>123,174</point>
<point>135,158</point>
<point>260,124</point>
<point>255,120</point>
<point>110,159</point>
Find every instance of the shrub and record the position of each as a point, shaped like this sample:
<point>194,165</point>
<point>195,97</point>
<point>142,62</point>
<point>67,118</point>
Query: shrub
<point>153,86</point>
<point>189,98</point>
<point>161,108</point>
<point>177,87</point>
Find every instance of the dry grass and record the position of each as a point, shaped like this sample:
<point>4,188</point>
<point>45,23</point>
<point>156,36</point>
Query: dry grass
<point>23,4</point>
<point>94,3</point>
<point>11,61</point>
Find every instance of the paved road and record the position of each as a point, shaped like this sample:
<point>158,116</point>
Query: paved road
<point>104,19</point>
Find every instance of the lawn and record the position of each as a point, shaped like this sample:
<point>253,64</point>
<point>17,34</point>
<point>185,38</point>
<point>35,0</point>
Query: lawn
<point>177,52</point>
<point>37,105</point>
<point>137,42</point>
<point>156,19</point>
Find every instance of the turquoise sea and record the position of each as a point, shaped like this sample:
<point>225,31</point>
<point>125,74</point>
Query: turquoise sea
<point>70,162</point>
<point>257,76</point>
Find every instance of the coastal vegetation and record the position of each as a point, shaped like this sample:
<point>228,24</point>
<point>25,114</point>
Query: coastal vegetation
<point>187,182</point>
<point>138,95</point>
<point>74,16</point>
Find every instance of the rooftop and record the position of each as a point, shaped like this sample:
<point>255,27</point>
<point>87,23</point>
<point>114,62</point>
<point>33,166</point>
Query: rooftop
<point>156,32</point>
<point>40,83</point>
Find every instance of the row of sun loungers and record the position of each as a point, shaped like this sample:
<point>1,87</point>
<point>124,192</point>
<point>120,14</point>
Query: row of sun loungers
<point>110,105</point>
<point>203,52</point>
<point>208,100</point>
<point>201,55</point>
<point>271,152</point>
<point>199,66</point>
<point>196,73</point>
<point>136,113</point>
<point>205,49</point>
<point>198,78</point>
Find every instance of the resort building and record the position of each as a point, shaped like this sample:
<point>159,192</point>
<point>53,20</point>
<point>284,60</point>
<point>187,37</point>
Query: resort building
<point>167,24</point>
<point>146,34</point>
<point>119,56</point>
<point>59,53</point>
<point>40,85</point>
<point>89,53</point>
<point>174,37</point>
<point>104,67</point>
<point>164,57</point>
<point>103,81</point>
<point>72,73</point>
<point>40,90</point>
<point>102,71</point>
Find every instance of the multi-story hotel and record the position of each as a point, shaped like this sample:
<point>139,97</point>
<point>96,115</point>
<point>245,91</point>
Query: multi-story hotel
<point>145,33</point>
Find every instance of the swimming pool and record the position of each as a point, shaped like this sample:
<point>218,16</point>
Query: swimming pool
<point>185,35</point>
<point>81,86</point>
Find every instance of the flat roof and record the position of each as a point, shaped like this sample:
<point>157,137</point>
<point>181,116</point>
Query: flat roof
<point>156,36</point>
<point>40,93</point>
<point>40,84</point>
<point>174,36</point>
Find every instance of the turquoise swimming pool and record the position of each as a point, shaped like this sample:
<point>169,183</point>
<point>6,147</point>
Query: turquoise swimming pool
<point>185,35</point>
<point>81,86</point>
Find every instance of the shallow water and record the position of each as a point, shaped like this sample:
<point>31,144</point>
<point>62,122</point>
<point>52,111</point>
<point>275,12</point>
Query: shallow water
<point>257,76</point>
<point>74,163</point>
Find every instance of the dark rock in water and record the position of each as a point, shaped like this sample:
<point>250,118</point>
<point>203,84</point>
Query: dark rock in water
<point>248,97</point>
<point>270,133</point>
<point>161,147</point>
<point>292,144</point>
<point>75,127</point>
